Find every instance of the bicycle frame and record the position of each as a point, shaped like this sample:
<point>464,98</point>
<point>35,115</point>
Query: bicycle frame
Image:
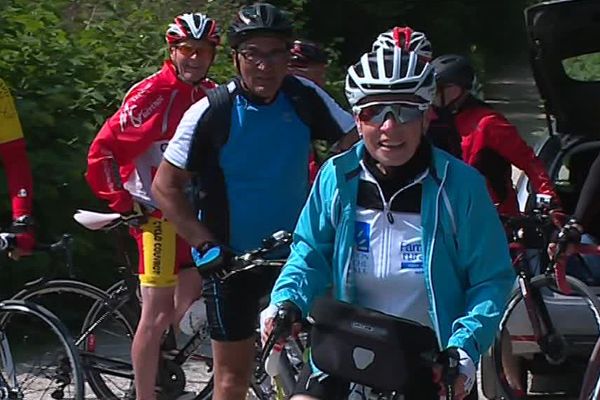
<point>537,313</point>
<point>8,367</point>
<point>126,290</point>
<point>591,379</point>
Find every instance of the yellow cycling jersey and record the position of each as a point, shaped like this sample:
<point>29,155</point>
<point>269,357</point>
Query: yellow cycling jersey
<point>10,126</point>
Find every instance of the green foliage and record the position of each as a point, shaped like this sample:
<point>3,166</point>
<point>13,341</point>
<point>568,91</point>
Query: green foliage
<point>69,63</point>
<point>584,67</point>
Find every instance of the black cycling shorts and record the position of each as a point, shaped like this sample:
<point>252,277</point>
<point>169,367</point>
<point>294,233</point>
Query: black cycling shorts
<point>232,306</point>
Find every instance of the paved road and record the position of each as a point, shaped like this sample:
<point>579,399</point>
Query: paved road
<point>513,92</point>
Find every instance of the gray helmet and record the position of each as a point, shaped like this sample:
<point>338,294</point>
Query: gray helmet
<point>454,69</point>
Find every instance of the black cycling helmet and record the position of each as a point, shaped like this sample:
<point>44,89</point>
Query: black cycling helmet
<point>305,52</point>
<point>454,69</point>
<point>258,19</point>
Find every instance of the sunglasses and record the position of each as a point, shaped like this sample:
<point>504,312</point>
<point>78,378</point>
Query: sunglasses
<point>188,51</point>
<point>377,113</point>
<point>258,57</point>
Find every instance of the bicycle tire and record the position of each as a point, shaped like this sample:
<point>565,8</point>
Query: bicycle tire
<point>590,387</point>
<point>547,287</point>
<point>115,327</point>
<point>39,322</point>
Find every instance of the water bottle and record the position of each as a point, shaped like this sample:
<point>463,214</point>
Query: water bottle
<point>272,362</point>
<point>194,317</point>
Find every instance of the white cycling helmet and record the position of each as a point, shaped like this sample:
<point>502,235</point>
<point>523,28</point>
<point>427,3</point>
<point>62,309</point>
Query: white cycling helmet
<point>192,26</point>
<point>407,39</point>
<point>391,71</point>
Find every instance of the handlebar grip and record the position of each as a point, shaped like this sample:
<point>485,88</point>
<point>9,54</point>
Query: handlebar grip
<point>449,360</point>
<point>287,314</point>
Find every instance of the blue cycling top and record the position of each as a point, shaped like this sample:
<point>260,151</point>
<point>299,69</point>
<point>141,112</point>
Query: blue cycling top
<point>263,164</point>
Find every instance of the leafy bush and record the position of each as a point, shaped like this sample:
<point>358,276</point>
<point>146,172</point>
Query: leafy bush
<point>585,67</point>
<point>69,64</point>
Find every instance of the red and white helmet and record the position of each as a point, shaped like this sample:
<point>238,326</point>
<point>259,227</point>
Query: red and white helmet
<point>193,26</point>
<point>391,71</point>
<point>407,39</point>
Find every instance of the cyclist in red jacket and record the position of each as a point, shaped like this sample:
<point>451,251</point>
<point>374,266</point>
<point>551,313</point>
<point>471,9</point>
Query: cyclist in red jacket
<point>487,140</point>
<point>18,173</point>
<point>122,162</point>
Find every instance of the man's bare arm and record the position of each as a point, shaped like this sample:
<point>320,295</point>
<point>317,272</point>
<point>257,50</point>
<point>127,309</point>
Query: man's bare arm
<point>168,188</point>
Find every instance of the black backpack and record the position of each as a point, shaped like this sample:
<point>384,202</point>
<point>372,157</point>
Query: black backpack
<point>212,132</point>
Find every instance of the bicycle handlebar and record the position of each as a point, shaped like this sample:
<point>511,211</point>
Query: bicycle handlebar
<point>543,219</point>
<point>255,258</point>
<point>560,262</point>
<point>287,314</point>
<point>449,359</point>
<point>65,243</point>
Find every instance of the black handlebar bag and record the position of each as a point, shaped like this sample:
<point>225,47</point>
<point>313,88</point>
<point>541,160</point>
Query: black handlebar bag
<point>369,347</point>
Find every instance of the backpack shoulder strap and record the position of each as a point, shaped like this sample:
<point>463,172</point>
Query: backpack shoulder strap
<point>212,129</point>
<point>216,126</point>
<point>311,109</point>
<point>302,99</point>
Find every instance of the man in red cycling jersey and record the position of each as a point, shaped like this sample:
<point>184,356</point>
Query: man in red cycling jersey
<point>122,162</point>
<point>487,140</point>
<point>18,174</point>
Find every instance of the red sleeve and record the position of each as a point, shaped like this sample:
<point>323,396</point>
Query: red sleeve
<point>503,137</point>
<point>18,175</point>
<point>125,136</point>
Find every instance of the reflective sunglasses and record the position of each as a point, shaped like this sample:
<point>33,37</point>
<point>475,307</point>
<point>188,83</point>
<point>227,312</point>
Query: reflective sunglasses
<point>189,51</point>
<point>377,113</point>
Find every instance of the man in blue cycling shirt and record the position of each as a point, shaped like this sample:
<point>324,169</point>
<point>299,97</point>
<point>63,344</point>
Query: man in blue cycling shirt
<point>254,184</point>
<point>399,226</point>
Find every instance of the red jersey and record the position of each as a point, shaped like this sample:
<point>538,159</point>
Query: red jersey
<point>491,144</point>
<point>124,156</point>
<point>14,156</point>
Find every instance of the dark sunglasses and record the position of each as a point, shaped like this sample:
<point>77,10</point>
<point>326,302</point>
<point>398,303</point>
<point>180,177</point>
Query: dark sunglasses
<point>377,112</point>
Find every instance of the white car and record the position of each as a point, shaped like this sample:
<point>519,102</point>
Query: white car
<point>564,38</point>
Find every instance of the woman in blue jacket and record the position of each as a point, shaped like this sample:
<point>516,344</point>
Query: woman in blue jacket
<point>399,226</point>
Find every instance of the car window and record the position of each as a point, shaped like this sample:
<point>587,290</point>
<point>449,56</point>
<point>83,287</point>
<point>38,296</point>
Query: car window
<point>571,175</point>
<point>585,67</point>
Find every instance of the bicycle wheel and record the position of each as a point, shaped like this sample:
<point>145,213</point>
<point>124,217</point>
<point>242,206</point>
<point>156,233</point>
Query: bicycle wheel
<point>37,357</point>
<point>521,366</point>
<point>102,326</point>
<point>590,387</point>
